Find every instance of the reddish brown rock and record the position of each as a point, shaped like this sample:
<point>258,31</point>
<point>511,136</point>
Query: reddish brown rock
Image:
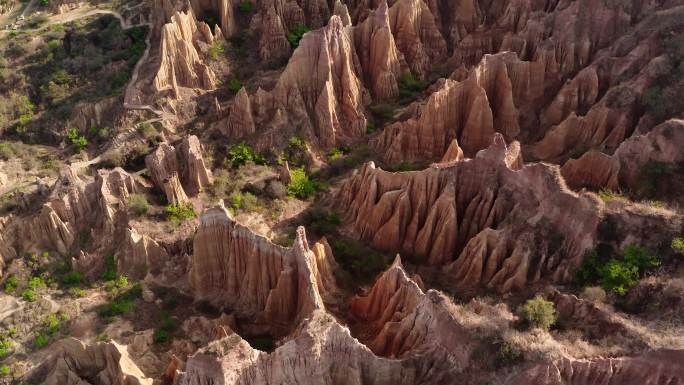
<point>594,170</point>
<point>437,214</point>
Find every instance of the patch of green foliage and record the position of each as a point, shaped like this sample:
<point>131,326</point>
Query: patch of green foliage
<point>217,50</point>
<point>244,201</point>
<point>180,212</point>
<point>73,278</point>
<point>29,295</point>
<point>5,348</point>
<point>5,371</point>
<point>42,340</point>
<point>383,111</point>
<point>109,273</point>
<point>246,7</point>
<point>78,141</point>
<point>296,34</point>
<point>301,186</point>
<point>617,275</point>
<point>234,85</point>
<point>362,261</point>
<point>122,303</point>
<point>322,222</point>
<point>410,86</point>
<point>338,152</point>
<point>52,323</point>
<point>240,154</point>
<point>678,246</point>
<point>370,127</point>
<point>36,283</point>
<point>609,195</point>
<point>167,327</point>
<point>138,204</point>
<point>539,312</point>
<point>11,284</point>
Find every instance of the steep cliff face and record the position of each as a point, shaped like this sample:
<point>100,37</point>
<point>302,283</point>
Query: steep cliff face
<point>470,111</point>
<point>441,212</point>
<point>319,90</point>
<point>378,53</point>
<point>179,172</point>
<point>101,363</point>
<point>181,63</point>
<point>232,266</point>
<point>659,367</point>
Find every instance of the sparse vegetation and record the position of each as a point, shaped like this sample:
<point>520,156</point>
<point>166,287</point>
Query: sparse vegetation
<point>246,7</point>
<point>294,36</point>
<point>609,196</point>
<point>617,276</point>
<point>242,153</point>
<point>234,85</point>
<point>217,49</point>
<point>678,246</point>
<point>300,185</point>
<point>322,222</point>
<point>41,341</point>
<point>180,212</point>
<point>594,294</point>
<point>109,273</point>
<point>138,204</point>
<point>162,335</point>
<point>121,303</point>
<point>5,348</point>
<point>11,284</point>
<point>5,371</point>
<point>78,141</point>
<point>244,201</point>
<point>410,87</point>
<point>539,312</point>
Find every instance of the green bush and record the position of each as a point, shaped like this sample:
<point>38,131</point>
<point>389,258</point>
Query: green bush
<point>242,153</point>
<point>138,204</point>
<point>539,312</point>
<point>217,50</point>
<point>364,262</point>
<point>617,275</point>
<point>677,245</point>
<point>234,85</point>
<point>5,348</point>
<point>246,7</point>
<point>244,201</point>
<point>36,283</point>
<point>122,303</point>
<point>296,34</point>
<point>41,341</point>
<point>7,151</point>
<point>11,284</point>
<point>300,185</point>
<point>180,212</point>
<point>323,222</point>
<point>78,141</point>
<point>5,370</point>
<point>370,127</point>
<point>338,152</point>
<point>73,278</point>
<point>162,335</point>
<point>29,295</point>
<point>109,273</point>
<point>52,323</point>
<point>409,86</point>
<point>77,292</point>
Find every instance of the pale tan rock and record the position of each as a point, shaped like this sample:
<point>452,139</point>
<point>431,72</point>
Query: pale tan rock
<point>273,43</point>
<point>239,122</point>
<point>181,64</point>
<point>658,367</point>
<point>179,172</point>
<point>232,266</point>
<point>453,153</point>
<point>76,363</point>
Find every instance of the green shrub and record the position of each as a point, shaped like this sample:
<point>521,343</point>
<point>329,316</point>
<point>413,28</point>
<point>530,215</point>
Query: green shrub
<point>5,348</point>
<point>297,143</point>
<point>364,262</point>
<point>296,34</point>
<point>246,7</point>
<point>78,141</point>
<point>242,153</point>
<point>7,151</point>
<point>41,341</point>
<point>409,86</point>
<point>539,312</point>
<point>244,201</point>
<point>109,273</point>
<point>300,185</point>
<point>73,278</point>
<point>180,212</point>
<point>162,334</point>
<point>77,292</point>
<point>138,204</point>
<point>609,195</point>
<point>5,370</point>
<point>11,284</point>
<point>677,245</point>
<point>122,303</point>
<point>52,323</point>
<point>29,295</point>
<point>36,283</point>
<point>370,127</point>
<point>217,50</point>
<point>234,85</point>
<point>338,152</point>
<point>617,275</point>
<point>384,111</point>
<point>323,222</point>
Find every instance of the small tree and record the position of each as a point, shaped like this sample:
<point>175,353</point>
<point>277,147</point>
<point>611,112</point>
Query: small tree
<point>300,185</point>
<point>540,312</point>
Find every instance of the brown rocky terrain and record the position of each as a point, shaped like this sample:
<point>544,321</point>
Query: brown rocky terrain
<point>367,192</point>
